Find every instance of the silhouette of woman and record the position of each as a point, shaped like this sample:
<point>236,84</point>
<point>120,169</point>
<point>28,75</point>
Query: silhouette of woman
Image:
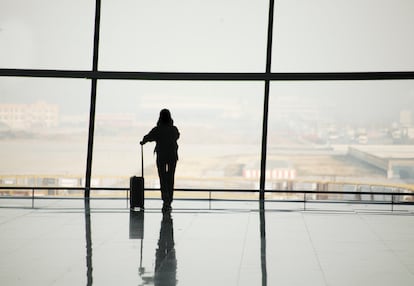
<point>165,134</point>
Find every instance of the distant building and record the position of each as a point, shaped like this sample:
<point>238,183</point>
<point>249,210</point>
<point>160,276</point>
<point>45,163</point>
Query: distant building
<point>275,170</point>
<point>26,116</point>
<point>406,118</point>
<point>288,108</point>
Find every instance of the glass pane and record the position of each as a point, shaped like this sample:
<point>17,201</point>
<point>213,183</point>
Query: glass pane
<point>185,35</point>
<point>354,35</point>
<point>50,34</point>
<point>219,123</point>
<point>341,136</point>
<point>43,132</point>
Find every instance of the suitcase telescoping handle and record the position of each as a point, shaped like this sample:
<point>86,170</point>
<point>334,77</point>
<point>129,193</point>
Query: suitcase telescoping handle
<point>142,160</point>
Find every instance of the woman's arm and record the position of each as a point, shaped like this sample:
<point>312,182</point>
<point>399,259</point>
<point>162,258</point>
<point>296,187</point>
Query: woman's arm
<point>177,133</point>
<point>151,136</point>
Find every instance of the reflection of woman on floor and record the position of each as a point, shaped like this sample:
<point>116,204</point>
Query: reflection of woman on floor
<point>165,260</point>
<point>165,134</point>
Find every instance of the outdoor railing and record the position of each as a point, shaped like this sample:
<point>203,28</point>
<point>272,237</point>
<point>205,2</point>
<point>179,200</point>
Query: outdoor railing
<point>393,197</point>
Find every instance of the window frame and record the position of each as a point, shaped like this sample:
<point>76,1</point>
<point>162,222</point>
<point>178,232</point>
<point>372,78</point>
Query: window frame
<point>94,75</point>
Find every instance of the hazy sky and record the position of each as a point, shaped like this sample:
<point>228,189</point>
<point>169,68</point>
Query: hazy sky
<point>213,35</point>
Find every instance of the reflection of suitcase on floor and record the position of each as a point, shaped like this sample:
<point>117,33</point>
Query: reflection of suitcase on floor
<point>136,187</point>
<point>136,224</point>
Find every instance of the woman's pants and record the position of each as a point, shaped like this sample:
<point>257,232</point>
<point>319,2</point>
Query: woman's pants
<point>166,172</point>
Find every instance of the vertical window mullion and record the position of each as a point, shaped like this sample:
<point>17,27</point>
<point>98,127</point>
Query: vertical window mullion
<point>266,100</point>
<point>93,99</point>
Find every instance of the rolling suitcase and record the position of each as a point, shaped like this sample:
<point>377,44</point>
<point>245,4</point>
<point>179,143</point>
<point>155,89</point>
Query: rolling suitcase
<point>136,187</point>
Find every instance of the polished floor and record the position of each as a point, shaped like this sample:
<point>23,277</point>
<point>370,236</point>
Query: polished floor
<point>202,243</point>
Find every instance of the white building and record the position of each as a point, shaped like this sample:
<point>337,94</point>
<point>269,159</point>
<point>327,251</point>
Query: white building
<point>26,116</point>
<point>406,118</point>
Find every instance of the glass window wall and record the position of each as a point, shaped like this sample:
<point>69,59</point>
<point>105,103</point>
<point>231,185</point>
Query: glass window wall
<point>343,36</point>
<point>318,132</point>
<point>46,34</point>
<point>334,136</point>
<point>219,123</point>
<point>185,35</point>
<point>43,131</point>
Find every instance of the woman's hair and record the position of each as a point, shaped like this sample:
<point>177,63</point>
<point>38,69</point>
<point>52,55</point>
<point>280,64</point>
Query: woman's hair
<point>165,118</point>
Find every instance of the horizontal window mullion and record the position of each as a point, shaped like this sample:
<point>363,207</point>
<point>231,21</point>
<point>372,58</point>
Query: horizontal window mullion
<point>122,75</point>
